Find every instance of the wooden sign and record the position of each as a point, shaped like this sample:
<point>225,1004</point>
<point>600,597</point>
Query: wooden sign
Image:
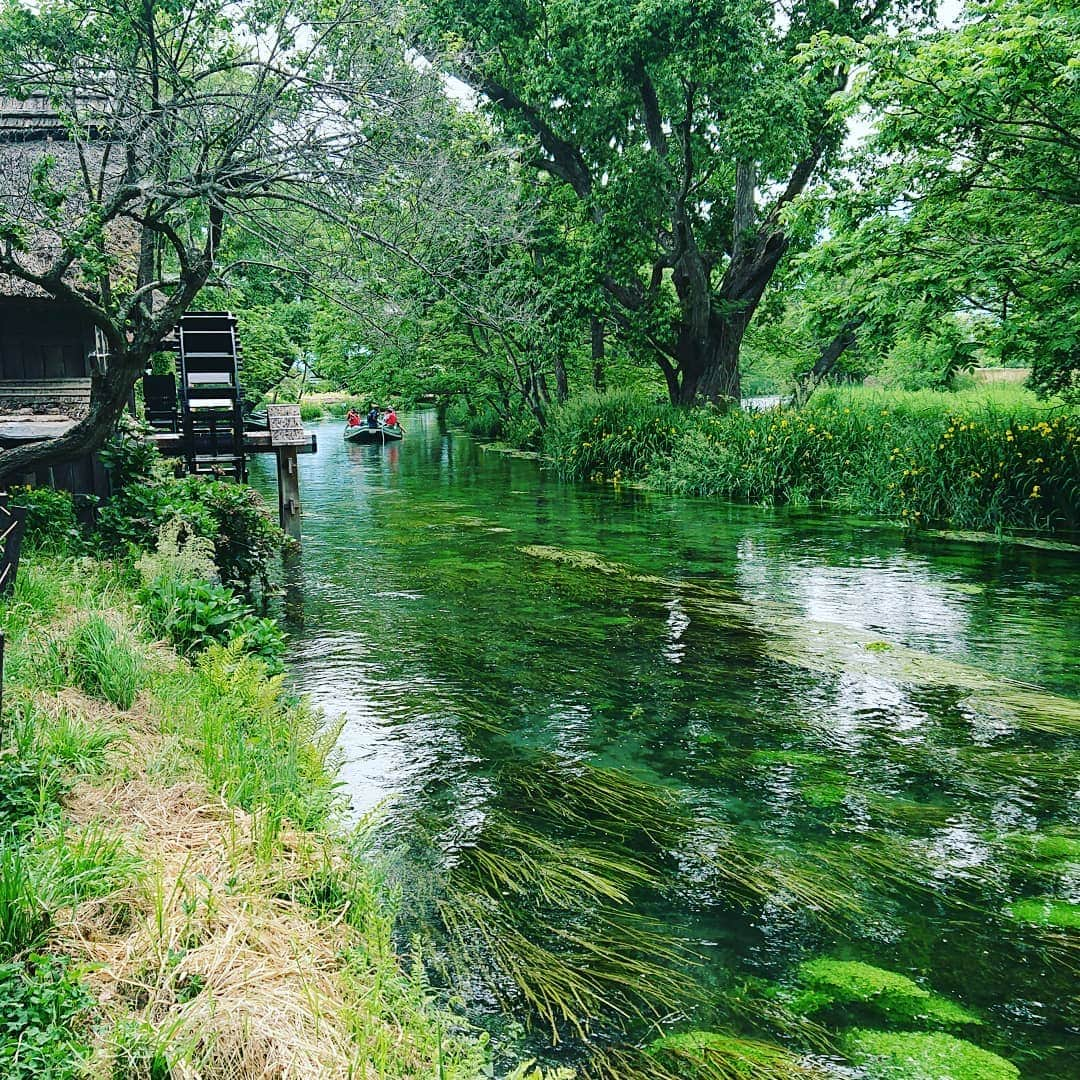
<point>286,427</point>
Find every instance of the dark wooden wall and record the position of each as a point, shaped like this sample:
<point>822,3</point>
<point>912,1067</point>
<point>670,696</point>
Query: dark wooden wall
<point>42,339</point>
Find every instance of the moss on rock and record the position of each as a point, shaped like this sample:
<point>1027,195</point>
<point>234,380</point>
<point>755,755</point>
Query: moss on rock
<point>1046,912</point>
<point>829,983</point>
<point>911,1055</point>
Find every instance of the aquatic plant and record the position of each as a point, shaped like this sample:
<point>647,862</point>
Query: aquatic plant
<point>910,1055</point>
<point>830,984</point>
<point>1046,912</point>
<point>712,1055</point>
<point>971,461</point>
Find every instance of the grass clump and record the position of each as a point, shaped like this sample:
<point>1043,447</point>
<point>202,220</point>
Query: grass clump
<point>104,662</point>
<point>842,984</point>
<point>909,1055</point>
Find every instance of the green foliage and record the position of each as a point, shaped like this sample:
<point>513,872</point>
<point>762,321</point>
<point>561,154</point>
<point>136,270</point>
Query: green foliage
<point>23,920</point>
<point>233,516</point>
<point>24,788</point>
<point>964,461</point>
<point>44,1021</point>
<point>912,1055</point>
<point>51,524</point>
<point>843,984</point>
<point>103,661</point>
<point>130,456</point>
<point>193,615</point>
<point>69,864</point>
<point>617,436</point>
<point>257,749</point>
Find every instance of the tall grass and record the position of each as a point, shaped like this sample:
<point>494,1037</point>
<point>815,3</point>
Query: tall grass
<point>104,662</point>
<point>985,460</point>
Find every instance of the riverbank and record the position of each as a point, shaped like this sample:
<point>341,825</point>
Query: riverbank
<point>992,459</point>
<point>177,894</point>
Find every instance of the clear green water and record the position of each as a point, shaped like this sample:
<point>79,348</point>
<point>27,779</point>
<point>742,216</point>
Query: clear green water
<point>778,735</point>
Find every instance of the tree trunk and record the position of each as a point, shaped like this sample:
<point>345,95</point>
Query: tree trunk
<point>808,381</point>
<point>562,386</point>
<point>708,367</point>
<point>598,374</point>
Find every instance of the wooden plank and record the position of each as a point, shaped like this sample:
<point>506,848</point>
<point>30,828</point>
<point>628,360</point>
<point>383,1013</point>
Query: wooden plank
<point>171,443</point>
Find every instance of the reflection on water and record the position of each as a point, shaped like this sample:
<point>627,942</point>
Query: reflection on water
<point>825,794</point>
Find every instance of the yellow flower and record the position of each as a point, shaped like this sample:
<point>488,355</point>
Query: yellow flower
<point>1035,493</point>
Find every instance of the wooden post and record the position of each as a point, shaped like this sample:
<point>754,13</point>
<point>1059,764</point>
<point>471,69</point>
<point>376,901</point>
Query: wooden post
<point>288,478</point>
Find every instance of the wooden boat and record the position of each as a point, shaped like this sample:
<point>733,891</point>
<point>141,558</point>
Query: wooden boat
<point>381,434</point>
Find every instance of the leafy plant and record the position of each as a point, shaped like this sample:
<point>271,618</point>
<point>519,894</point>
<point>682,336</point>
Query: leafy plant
<point>191,614</point>
<point>51,524</point>
<point>43,1014</point>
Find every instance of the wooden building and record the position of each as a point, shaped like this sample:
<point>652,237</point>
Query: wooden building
<point>48,349</point>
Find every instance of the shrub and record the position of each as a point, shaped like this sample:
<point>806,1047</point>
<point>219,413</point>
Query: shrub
<point>51,524</point>
<point>43,1013</point>
<point>103,662</point>
<point>193,615</point>
<point>233,516</point>
<point>311,410</point>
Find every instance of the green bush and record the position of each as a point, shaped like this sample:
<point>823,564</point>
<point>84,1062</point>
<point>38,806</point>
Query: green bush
<point>23,920</point>
<point>968,461</point>
<point>51,524</point>
<point>234,516</point>
<point>311,410</point>
<point>44,1017</point>
<point>193,615</point>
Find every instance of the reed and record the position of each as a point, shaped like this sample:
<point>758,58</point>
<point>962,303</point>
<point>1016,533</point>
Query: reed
<point>988,461</point>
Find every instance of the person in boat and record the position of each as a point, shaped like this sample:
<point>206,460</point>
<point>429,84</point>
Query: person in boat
<point>373,417</point>
<point>390,419</point>
<point>352,419</point>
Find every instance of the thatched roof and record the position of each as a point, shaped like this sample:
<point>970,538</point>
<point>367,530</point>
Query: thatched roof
<point>31,133</point>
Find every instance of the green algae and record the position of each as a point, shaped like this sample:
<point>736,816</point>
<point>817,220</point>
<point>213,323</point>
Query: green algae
<point>832,983</point>
<point>1052,848</point>
<point>911,1055</point>
<point>1046,912</point>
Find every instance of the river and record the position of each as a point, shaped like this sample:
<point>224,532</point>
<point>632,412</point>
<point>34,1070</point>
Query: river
<point>662,756</point>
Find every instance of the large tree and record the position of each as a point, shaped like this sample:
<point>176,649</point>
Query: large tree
<point>186,119</point>
<point>686,131</point>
